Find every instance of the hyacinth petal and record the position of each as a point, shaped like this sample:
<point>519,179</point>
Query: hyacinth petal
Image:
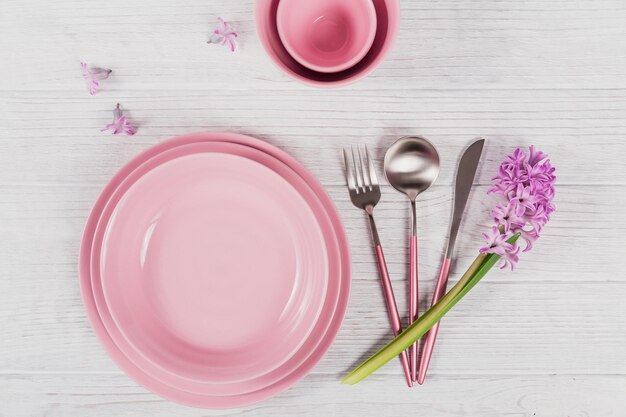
<point>508,216</point>
<point>496,242</point>
<point>224,35</point>
<point>510,258</point>
<point>93,76</point>
<point>529,237</point>
<point>535,156</point>
<point>120,124</point>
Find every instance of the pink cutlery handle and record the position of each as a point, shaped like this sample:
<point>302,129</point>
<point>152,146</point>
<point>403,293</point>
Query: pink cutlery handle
<point>392,309</point>
<point>413,300</point>
<point>429,344</point>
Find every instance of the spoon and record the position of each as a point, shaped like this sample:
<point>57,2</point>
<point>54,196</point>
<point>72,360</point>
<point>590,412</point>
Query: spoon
<point>411,167</point>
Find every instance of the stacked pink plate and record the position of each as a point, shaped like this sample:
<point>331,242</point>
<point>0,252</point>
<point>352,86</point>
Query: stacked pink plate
<point>215,270</point>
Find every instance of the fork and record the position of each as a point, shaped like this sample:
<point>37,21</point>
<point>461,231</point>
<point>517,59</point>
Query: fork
<point>365,194</point>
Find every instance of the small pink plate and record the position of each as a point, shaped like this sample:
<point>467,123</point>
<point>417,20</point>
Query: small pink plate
<point>327,35</point>
<point>216,270</point>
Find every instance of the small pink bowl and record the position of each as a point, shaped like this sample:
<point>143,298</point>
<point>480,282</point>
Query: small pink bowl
<point>388,20</point>
<point>327,35</point>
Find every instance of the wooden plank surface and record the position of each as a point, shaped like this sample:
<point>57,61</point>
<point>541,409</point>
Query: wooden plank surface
<point>546,340</point>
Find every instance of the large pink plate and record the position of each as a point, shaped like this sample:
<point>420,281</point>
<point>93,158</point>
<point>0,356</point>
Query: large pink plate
<point>158,266</point>
<point>156,367</point>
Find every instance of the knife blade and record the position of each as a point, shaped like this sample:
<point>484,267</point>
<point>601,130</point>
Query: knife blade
<point>466,171</point>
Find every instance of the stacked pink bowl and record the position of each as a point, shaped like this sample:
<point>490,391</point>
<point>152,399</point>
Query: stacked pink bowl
<point>327,43</point>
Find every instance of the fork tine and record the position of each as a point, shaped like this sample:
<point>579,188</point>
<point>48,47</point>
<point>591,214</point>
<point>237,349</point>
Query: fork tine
<point>367,182</point>
<point>372,169</point>
<point>358,171</point>
<point>348,171</point>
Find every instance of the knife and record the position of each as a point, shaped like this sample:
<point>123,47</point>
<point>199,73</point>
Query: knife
<point>466,172</point>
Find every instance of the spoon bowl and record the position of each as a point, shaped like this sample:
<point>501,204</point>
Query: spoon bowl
<point>411,165</point>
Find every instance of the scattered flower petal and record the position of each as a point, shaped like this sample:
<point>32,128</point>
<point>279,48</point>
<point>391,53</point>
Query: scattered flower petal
<point>93,76</point>
<point>223,34</point>
<point>120,124</point>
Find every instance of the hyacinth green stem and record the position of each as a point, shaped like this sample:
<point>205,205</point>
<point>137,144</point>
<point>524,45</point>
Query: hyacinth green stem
<point>479,268</point>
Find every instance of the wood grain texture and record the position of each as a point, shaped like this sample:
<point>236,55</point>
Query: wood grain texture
<point>546,340</point>
<point>103,395</point>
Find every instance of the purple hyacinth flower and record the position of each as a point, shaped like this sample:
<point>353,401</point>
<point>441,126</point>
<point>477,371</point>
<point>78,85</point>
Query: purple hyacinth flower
<point>526,184</point>
<point>93,76</point>
<point>120,124</point>
<point>496,242</point>
<point>508,216</point>
<point>223,34</point>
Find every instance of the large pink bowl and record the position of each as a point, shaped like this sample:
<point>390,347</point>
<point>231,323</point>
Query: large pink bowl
<point>388,21</point>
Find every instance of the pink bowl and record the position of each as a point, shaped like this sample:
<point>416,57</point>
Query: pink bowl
<point>388,20</point>
<point>327,35</point>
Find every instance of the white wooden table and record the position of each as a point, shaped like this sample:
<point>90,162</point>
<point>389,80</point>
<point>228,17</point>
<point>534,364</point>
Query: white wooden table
<point>546,340</point>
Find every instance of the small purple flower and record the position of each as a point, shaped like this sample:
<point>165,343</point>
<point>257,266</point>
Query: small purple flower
<point>223,34</point>
<point>539,173</point>
<point>120,125</point>
<point>535,156</point>
<point>496,243</point>
<point>525,197</point>
<point>526,184</point>
<point>93,76</point>
<point>510,258</point>
<point>509,177</point>
<point>516,158</point>
<point>529,237</point>
<point>508,216</point>
<point>535,217</point>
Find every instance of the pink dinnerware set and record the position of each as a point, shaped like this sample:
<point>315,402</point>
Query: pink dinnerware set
<point>215,268</point>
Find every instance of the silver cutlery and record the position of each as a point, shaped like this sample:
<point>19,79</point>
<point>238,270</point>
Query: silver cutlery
<point>411,167</point>
<point>464,179</point>
<point>364,192</point>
